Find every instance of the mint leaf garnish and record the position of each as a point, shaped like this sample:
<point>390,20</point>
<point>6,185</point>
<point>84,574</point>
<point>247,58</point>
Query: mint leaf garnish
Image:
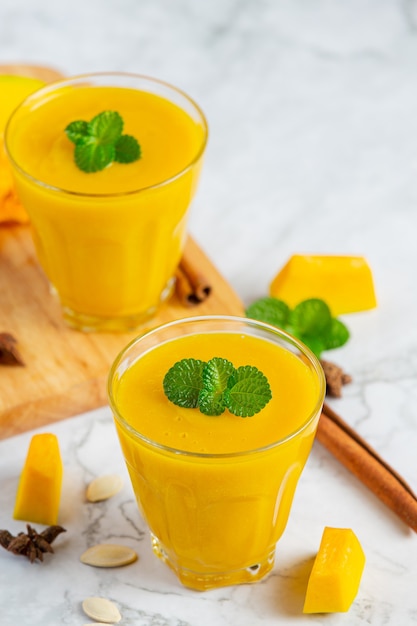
<point>210,402</point>
<point>269,310</point>
<point>107,127</point>
<point>76,131</point>
<point>100,142</point>
<point>184,381</point>
<point>310,321</point>
<point>314,342</point>
<point>247,392</point>
<point>217,385</point>
<point>91,156</point>
<point>216,374</point>
<point>337,334</point>
<point>311,317</point>
<point>126,149</point>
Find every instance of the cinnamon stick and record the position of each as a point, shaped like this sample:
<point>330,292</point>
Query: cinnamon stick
<point>183,289</point>
<point>366,464</point>
<point>192,287</point>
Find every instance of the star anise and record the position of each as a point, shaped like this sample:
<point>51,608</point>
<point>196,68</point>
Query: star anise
<point>31,544</point>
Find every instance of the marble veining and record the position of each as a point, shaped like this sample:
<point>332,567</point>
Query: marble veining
<point>313,148</point>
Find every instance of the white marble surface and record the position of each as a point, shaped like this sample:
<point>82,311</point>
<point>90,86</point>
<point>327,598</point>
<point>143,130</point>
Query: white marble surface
<point>313,148</point>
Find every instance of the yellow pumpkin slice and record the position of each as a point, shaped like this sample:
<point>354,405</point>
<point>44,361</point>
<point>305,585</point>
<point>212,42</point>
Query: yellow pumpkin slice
<point>39,491</point>
<point>336,574</point>
<point>345,283</point>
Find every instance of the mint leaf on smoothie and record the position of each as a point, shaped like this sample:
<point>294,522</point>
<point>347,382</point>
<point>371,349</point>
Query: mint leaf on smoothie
<point>310,321</point>
<point>100,142</point>
<point>91,156</point>
<point>76,131</point>
<point>126,149</point>
<point>216,374</point>
<point>106,127</point>
<point>216,385</point>
<point>247,392</point>
<point>184,381</point>
<point>210,402</point>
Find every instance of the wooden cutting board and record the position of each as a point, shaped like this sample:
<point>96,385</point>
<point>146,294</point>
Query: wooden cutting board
<point>65,370</point>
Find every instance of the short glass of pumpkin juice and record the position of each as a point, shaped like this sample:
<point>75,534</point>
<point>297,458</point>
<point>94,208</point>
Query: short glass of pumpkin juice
<point>216,489</point>
<point>109,224</point>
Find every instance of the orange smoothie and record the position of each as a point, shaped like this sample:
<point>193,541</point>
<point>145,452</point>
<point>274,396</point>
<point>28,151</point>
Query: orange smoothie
<point>109,241</point>
<point>216,491</point>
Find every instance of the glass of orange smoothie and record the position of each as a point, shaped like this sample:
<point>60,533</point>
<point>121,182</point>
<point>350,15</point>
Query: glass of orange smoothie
<point>215,490</point>
<point>109,241</point>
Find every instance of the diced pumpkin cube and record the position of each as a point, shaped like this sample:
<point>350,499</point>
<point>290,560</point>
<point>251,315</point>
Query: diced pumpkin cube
<point>336,574</point>
<point>345,283</point>
<point>39,491</point>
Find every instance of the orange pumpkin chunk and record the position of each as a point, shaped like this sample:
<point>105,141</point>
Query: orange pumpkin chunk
<point>39,491</point>
<point>336,574</point>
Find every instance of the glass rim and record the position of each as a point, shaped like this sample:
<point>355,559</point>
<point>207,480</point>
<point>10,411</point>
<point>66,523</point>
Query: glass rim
<point>268,328</point>
<point>49,87</point>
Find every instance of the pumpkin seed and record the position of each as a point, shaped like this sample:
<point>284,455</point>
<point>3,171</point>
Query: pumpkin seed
<point>108,555</point>
<point>101,610</point>
<point>104,487</point>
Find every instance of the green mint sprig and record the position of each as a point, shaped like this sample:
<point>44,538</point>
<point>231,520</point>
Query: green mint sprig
<point>216,385</point>
<point>100,142</point>
<point>310,321</point>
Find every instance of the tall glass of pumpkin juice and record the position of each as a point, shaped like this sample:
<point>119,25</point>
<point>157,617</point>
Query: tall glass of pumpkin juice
<point>109,240</point>
<point>215,490</point>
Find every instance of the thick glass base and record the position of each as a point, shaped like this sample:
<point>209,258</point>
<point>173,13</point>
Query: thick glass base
<point>90,323</point>
<point>212,580</point>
